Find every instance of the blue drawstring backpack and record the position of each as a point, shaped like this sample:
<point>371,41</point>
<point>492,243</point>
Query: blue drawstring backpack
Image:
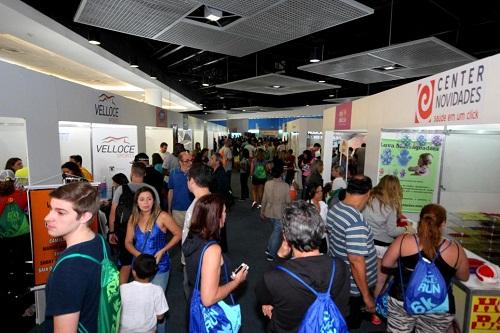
<point>220,317</point>
<point>323,315</point>
<point>426,291</point>
<point>382,300</point>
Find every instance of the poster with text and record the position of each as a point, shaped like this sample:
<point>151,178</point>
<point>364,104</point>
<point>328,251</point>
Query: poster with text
<point>484,314</point>
<point>113,149</point>
<point>46,249</point>
<point>414,158</point>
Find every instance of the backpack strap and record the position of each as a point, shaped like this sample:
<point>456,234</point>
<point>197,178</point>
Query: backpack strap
<point>85,256</point>
<point>298,279</point>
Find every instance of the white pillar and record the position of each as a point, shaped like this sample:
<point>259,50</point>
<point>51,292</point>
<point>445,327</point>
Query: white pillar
<point>153,96</point>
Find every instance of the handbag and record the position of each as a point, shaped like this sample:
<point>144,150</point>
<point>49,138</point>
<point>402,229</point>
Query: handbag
<point>382,300</point>
<point>220,317</point>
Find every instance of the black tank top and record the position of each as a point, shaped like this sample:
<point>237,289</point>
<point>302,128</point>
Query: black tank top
<point>408,264</point>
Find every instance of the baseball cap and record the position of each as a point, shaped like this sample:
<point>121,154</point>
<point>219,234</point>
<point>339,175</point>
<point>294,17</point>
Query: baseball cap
<point>6,175</point>
<point>141,157</point>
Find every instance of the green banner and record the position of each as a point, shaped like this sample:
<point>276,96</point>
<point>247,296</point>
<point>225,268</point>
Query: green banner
<point>413,158</point>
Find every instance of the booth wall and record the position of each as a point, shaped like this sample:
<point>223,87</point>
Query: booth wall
<point>396,109</point>
<point>75,140</point>
<point>44,100</point>
<point>12,140</point>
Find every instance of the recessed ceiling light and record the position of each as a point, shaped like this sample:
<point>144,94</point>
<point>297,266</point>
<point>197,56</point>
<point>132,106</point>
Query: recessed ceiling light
<point>275,86</point>
<point>205,84</point>
<point>212,14</point>
<point>331,95</point>
<point>243,110</point>
<point>134,65</point>
<point>94,42</point>
<point>205,112</point>
<point>153,77</point>
<point>314,60</point>
<point>388,68</point>
<point>321,81</point>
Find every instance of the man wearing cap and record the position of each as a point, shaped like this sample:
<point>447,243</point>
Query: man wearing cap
<point>350,239</point>
<point>152,177</point>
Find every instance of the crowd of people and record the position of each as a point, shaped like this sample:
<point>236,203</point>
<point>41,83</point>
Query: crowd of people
<point>337,237</point>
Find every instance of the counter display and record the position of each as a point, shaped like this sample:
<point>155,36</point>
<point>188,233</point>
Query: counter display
<point>478,232</point>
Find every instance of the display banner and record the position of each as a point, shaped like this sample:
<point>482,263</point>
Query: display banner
<point>454,96</point>
<point>185,136</point>
<point>414,158</point>
<point>343,116</point>
<point>484,314</point>
<point>113,149</point>
<point>45,248</point>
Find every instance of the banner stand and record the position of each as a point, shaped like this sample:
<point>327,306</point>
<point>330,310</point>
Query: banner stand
<point>45,249</point>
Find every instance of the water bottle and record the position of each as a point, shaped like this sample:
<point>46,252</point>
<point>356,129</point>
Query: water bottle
<point>103,189</point>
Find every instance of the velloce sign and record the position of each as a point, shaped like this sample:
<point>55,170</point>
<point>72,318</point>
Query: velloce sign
<point>452,96</point>
<point>106,106</point>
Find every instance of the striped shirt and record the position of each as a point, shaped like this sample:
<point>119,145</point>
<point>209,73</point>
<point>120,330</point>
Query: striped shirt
<point>348,233</point>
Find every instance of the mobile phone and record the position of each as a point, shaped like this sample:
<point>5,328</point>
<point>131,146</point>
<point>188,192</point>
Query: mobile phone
<point>237,270</point>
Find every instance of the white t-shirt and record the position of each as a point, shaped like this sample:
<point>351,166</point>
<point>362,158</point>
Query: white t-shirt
<point>227,158</point>
<point>141,303</point>
<point>323,210</point>
<point>187,224</point>
<point>251,150</point>
<point>338,183</point>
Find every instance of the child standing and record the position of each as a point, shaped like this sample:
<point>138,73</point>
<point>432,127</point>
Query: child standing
<point>143,303</point>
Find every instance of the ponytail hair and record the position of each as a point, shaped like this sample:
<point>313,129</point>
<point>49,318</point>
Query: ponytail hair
<point>432,217</point>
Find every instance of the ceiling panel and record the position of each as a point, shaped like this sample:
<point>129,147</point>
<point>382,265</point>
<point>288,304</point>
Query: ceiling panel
<point>422,53</point>
<point>366,76</point>
<point>287,85</point>
<point>263,24</point>
<point>421,57</point>
<point>197,36</point>
<point>145,18</point>
<point>345,64</point>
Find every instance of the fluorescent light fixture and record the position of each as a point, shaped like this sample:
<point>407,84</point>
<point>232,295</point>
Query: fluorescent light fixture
<point>321,81</point>
<point>314,60</point>
<point>153,77</point>
<point>134,65</point>
<point>205,84</point>
<point>212,14</point>
<point>275,86</point>
<point>388,68</point>
<point>94,42</point>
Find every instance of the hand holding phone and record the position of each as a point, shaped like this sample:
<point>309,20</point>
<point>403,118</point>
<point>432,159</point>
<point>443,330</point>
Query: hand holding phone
<point>237,270</point>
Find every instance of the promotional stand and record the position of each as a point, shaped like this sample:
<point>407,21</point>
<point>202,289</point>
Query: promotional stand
<point>46,249</point>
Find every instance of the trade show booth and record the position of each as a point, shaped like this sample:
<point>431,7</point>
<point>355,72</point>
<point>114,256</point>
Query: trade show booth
<point>440,136</point>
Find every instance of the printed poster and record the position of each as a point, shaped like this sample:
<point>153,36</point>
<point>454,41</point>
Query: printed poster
<point>113,149</point>
<point>414,158</point>
<point>484,314</point>
<point>46,249</point>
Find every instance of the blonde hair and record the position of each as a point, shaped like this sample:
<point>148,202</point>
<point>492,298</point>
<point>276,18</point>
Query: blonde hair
<point>136,213</point>
<point>388,192</point>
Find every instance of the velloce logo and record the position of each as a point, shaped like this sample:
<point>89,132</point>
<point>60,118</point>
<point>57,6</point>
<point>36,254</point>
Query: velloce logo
<point>116,145</point>
<point>106,106</point>
<point>455,95</point>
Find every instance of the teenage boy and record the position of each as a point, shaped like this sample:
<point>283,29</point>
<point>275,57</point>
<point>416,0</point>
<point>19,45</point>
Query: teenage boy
<point>73,289</point>
<point>143,303</point>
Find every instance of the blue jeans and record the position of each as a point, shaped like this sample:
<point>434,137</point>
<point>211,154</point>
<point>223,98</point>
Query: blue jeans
<point>161,279</point>
<point>274,242</point>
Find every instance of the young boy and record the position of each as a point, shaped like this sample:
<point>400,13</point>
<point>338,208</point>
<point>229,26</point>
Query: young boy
<point>72,291</point>
<point>143,303</point>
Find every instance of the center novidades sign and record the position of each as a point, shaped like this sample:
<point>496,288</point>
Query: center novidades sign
<point>453,96</point>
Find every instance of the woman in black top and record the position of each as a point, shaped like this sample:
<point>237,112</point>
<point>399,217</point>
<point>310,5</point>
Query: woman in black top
<point>209,216</point>
<point>451,262</point>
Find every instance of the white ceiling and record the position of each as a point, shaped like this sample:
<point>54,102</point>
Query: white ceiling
<point>31,39</point>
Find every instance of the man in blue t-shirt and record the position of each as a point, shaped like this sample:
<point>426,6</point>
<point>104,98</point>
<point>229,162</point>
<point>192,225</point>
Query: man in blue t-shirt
<point>73,289</point>
<point>179,196</point>
<point>350,239</point>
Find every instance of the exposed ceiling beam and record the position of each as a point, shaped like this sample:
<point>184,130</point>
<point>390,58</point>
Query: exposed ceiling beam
<point>208,63</point>
<point>170,52</point>
<point>186,58</point>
